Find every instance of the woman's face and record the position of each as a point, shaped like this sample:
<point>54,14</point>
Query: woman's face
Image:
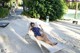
<point>33,25</point>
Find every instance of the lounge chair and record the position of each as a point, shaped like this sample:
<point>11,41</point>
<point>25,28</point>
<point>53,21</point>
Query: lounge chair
<point>51,49</point>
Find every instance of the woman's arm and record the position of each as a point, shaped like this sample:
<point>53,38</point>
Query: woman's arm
<point>41,28</point>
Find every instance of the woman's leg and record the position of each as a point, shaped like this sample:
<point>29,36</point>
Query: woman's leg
<point>39,38</point>
<point>47,40</point>
<point>43,38</point>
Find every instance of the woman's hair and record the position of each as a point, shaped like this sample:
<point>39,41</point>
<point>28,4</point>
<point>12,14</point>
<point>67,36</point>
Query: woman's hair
<point>31,23</point>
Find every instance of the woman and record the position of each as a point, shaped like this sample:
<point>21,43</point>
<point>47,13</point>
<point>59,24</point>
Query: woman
<point>40,36</point>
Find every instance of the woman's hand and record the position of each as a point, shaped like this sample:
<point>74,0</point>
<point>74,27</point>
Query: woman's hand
<point>40,25</point>
<point>41,28</point>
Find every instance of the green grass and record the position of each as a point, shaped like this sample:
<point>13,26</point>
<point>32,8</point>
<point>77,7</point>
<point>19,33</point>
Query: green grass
<point>4,12</point>
<point>71,15</point>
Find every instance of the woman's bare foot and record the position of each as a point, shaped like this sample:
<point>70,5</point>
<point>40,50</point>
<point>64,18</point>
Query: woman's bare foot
<point>53,44</point>
<point>50,43</point>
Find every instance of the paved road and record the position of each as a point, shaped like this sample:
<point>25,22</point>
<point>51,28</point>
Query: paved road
<point>19,10</point>
<point>14,34</point>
